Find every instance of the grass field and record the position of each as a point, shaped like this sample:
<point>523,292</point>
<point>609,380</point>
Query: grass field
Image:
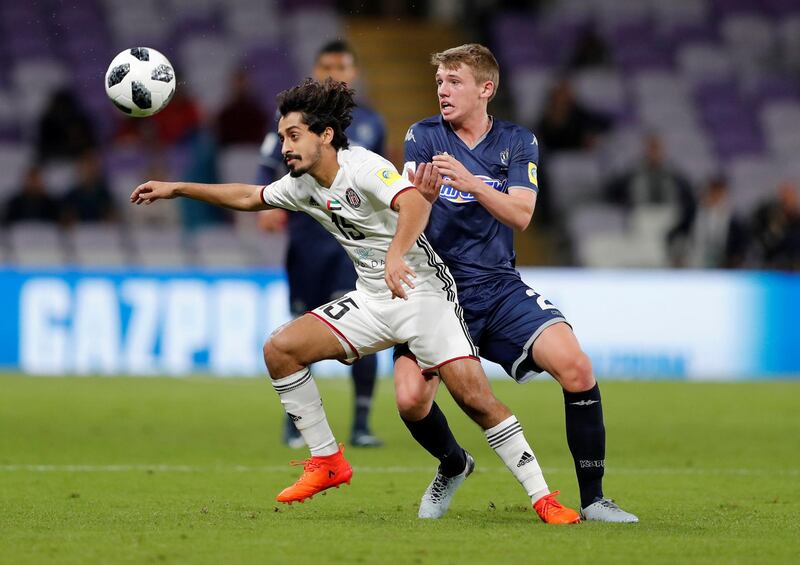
<point>106,470</point>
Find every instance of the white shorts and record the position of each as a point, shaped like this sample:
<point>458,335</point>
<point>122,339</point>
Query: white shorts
<point>432,326</point>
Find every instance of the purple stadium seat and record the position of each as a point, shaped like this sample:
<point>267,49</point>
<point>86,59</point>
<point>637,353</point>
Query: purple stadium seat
<point>781,8</point>
<point>125,160</point>
<point>773,88</point>
<point>732,140</point>
<point>514,53</point>
<point>726,7</point>
<point>701,63</point>
<point>753,179</point>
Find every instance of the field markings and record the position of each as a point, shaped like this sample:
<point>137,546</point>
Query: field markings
<point>169,468</point>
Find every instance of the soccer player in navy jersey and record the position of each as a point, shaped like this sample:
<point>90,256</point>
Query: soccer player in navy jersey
<point>490,189</point>
<point>331,273</point>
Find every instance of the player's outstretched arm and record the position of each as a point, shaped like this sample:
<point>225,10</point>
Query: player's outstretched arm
<point>235,196</point>
<point>514,208</point>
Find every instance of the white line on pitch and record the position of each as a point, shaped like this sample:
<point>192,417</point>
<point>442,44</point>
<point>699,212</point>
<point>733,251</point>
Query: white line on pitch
<point>124,468</point>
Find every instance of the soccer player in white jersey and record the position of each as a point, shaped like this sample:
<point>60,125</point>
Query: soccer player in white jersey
<point>378,217</point>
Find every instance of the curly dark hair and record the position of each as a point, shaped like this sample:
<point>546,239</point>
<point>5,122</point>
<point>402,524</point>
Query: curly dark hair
<point>327,104</point>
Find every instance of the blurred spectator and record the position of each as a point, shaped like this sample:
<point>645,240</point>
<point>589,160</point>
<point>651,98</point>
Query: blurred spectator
<point>174,124</point>
<point>31,203</point>
<point>241,120</point>
<point>90,199</point>
<point>719,236</point>
<point>65,130</point>
<point>654,182</point>
<point>566,125</point>
<point>776,228</point>
<point>202,167</point>
<point>590,51</point>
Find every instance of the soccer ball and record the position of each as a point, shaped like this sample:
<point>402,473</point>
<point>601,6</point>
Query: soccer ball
<point>140,81</point>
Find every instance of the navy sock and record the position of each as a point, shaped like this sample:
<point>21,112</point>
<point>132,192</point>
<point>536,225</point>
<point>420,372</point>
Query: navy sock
<point>433,433</point>
<point>586,437</point>
<point>364,373</point>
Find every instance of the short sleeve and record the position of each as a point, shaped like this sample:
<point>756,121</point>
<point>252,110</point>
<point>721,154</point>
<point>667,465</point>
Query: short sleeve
<point>523,164</point>
<point>281,194</point>
<point>381,180</point>
<point>414,149</point>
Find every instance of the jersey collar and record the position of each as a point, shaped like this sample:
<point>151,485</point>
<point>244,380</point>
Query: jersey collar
<point>480,139</point>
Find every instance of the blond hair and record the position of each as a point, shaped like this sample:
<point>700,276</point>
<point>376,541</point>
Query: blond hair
<point>473,55</point>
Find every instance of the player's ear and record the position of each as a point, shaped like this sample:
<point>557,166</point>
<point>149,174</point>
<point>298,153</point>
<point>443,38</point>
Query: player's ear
<point>327,135</point>
<point>488,89</point>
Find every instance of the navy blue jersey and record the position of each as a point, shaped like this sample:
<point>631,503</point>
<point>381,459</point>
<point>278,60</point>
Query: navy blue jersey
<point>475,245</point>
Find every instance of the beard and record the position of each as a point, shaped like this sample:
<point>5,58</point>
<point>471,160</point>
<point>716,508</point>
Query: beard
<point>298,170</point>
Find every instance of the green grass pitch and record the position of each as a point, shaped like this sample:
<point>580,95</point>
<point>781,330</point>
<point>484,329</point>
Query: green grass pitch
<point>151,470</point>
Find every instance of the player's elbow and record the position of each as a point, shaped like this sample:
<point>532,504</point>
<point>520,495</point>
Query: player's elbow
<point>521,222</point>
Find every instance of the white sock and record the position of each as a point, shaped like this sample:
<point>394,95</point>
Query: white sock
<point>508,441</point>
<point>301,400</point>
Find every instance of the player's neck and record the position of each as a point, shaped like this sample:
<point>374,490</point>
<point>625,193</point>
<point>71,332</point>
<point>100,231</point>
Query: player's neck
<point>325,170</point>
<point>472,127</point>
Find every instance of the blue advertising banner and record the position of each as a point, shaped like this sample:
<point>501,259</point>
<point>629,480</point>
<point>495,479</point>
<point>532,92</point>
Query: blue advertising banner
<point>633,324</point>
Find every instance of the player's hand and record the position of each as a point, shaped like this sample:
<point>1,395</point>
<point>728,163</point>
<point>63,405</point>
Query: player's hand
<point>273,220</point>
<point>427,179</point>
<point>457,174</point>
<point>153,190</point>
<point>396,273</point>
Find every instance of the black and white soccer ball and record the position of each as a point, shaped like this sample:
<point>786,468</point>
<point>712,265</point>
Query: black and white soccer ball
<point>140,81</point>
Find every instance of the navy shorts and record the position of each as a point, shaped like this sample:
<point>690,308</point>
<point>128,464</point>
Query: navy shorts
<point>504,318</point>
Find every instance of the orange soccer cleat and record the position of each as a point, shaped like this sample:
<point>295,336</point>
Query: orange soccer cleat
<point>319,474</point>
<point>551,511</point>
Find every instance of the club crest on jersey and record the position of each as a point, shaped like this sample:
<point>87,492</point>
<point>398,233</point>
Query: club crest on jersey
<point>333,204</point>
<point>450,194</point>
<point>352,197</point>
<point>504,157</point>
<point>387,176</point>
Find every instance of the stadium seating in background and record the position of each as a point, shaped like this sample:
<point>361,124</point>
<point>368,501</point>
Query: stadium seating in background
<point>97,244</point>
<point>717,80</point>
<point>36,244</point>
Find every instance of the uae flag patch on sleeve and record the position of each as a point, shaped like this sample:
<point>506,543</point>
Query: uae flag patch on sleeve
<point>334,204</point>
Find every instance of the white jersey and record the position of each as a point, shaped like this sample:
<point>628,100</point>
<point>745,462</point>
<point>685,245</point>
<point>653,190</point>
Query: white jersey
<point>357,210</point>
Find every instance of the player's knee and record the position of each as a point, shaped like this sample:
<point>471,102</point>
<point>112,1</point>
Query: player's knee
<point>577,374</point>
<point>277,351</point>
<point>414,403</point>
<point>413,406</point>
